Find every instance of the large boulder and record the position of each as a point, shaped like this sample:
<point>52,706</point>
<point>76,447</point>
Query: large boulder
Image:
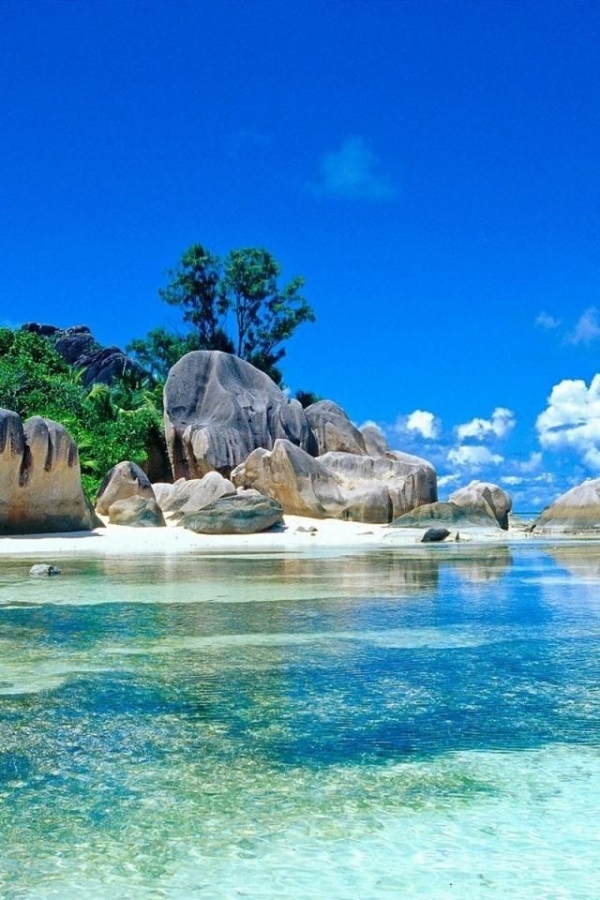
<point>337,485</point>
<point>245,513</point>
<point>483,496</point>
<point>219,409</point>
<point>124,480</point>
<point>449,515</point>
<point>40,481</point>
<point>576,510</point>
<point>137,512</point>
<point>190,496</point>
<point>298,481</point>
<point>375,442</point>
<point>333,430</point>
<point>401,481</point>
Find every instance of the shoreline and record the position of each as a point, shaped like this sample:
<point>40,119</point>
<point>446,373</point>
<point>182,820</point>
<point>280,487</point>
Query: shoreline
<point>298,535</point>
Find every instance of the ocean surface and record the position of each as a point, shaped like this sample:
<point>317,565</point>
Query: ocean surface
<point>392,724</point>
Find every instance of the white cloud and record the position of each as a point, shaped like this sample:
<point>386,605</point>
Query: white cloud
<point>474,457</point>
<point>423,423</point>
<point>587,328</point>
<point>545,320</point>
<point>352,172</point>
<point>502,421</point>
<point>572,420</point>
<point>445,480</point>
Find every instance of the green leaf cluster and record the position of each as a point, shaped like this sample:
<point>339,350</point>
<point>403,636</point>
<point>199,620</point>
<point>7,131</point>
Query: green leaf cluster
<point>108,423</point>
<point>233,304</point>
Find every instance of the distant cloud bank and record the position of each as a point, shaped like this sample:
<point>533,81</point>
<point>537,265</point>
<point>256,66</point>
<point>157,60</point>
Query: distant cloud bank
<point>352,172</point>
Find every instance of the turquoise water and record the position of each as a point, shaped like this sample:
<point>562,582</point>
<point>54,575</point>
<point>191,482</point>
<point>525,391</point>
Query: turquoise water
<point>390,724</point>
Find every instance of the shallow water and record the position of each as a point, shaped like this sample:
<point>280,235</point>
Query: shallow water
<point>390,724</point>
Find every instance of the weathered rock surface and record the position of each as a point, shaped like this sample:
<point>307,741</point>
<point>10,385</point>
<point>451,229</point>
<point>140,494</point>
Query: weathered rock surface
<point>124,480</point>
<point>337,485</point>
<point>333,430</point>
<point>397,482</point>
<point>375,442</point>
<point>219,409</point>
<point>448,514</point>
<point>193,495</point>
<point>299,482</point>
<point>40,483</point>
<point>244,513</point>
<point>79,348</point>
<point>576,510</point>
<point>481,495</point>
<point>137,512</point>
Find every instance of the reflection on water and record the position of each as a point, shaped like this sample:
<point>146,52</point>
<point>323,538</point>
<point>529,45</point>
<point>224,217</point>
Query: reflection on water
<point>418,723</point>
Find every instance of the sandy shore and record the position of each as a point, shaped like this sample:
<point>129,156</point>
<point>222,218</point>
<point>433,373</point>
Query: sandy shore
<point>299,534</point>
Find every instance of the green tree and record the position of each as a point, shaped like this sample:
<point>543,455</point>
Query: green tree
<point>108,423</point>
<point>235,304</point>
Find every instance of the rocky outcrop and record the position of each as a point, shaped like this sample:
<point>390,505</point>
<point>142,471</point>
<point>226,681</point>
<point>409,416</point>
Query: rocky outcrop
<point>219,409</point>
<point>449,515</point>
<point>399,480</point>
<point>578,510</point>
<point>299,482</point>
<point>332,429</point>
<point>245,513</point>
<point>190,496</point>
<point>375,442</point>
<point>483,496</point>
<point>124,480</point>
<point>337,485</point>
<point>136,512</point>
<point>79,348</point>
<point>40,482</point>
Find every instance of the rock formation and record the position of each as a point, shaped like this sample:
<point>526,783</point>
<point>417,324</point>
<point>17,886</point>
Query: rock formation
<point>190,496</point>
<point>40,483</point>
<point>245,513</point>
<point>449,515</point>
<point>79,348</point>
<point>124,480</point>
<point>576,510</point>
<point>137,512</point>
<point>483,496</point>
<point>219,409</point>
<point>333,430</point>
<point>338,485</point>
<point>375,442</point>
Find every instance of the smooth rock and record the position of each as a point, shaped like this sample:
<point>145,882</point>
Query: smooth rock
<point>235,514</point>
<point>576,510</point>
<point>445,513</point>
<point>435,535</point>
<point>136,512</point>
<point>482,496</point>
<point>189,496</point>
<point>124,480</point>
<point>40,480</point>
<point>332,429</point>
<point>375,442</point>
<point>219,409</point>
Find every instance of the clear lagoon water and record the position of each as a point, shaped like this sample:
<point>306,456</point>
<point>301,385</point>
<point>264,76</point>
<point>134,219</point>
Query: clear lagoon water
<point>390,724</point>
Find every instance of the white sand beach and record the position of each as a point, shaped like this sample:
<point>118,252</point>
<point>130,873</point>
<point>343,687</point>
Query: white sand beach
<point>299,533</point>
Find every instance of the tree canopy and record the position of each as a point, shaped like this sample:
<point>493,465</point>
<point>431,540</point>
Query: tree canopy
<point>234,304</point>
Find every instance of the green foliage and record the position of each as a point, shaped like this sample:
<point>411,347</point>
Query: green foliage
<point>108,423</point>
<point>307,398</point>
<point>235,305</point>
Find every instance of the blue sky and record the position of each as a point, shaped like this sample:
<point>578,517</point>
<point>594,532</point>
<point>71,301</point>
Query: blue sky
<point>431,168</point>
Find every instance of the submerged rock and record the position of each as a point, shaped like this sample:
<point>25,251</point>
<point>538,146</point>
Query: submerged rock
<point>434,535</point>
<point>44,569</point>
